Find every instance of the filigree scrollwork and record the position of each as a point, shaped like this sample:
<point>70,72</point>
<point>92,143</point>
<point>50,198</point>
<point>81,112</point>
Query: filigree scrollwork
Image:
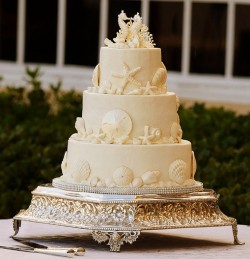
<point>115,239</point>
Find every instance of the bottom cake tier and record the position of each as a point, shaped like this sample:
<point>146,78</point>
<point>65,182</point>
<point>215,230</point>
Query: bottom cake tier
<point>136,166</point>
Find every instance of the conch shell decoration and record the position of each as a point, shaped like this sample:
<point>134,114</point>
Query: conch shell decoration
<point>132,34</point>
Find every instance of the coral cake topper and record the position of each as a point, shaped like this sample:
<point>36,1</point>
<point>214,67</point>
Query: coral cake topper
<point>132,34</point>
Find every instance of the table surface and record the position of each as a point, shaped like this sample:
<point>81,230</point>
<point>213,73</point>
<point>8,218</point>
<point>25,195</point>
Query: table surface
<point>216,242</point>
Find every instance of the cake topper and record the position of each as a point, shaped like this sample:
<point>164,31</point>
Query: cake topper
<point>132,34</point>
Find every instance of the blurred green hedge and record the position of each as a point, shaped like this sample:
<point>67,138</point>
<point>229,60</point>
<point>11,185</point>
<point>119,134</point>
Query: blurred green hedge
<point>35,126</point>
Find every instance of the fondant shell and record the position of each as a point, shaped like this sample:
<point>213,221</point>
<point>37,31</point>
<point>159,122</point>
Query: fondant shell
<point>64,163</point>
<point>159,77</point>
<point>80,126</point>
<point>96,76</point>
<point>94,180</point>
<point>79,170</point>
<point>176,131</point>
<point>150,177</point>
<point>137,182</point>
<point>194,165</point>
<point>155,132</point>
<point>116,124</point>
<point>178,171</point>
<point>123,176</point>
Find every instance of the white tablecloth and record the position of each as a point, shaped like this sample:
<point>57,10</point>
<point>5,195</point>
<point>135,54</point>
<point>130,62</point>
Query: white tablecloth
<point>176,243</point>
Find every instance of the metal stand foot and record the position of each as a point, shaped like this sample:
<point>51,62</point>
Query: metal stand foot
<point>235,234</point>
<point>115,239</point>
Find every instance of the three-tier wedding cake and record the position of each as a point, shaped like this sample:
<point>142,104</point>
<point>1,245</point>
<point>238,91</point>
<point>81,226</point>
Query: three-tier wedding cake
<point>129,136</point>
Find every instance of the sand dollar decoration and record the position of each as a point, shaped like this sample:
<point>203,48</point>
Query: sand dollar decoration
<point>116,124</point>
<point>123,176</point>
<point>178,171</point>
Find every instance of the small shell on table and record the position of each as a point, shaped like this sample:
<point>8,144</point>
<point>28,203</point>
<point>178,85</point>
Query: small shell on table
<point>116,124</point>
<point>150,177</point>
<point>178,171</point>
<point>96,76</point>
<point>123,176</point>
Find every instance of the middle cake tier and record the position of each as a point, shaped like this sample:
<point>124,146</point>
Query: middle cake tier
<point>131,119</point>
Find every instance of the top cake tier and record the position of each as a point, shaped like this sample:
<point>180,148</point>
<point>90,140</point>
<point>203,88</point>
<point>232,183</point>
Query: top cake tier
<point>132,71</point>
<point>130,65</point>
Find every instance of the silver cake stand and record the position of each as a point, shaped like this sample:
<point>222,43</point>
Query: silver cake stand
<point>118,219</point>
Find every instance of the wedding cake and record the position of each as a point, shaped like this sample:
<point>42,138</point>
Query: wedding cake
<point>129,136</point>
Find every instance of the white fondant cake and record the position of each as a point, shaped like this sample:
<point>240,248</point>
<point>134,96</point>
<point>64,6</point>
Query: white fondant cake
<point>129,134</point>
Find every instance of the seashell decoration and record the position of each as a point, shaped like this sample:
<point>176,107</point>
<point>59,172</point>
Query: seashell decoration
<point>80,126</point>
<point>106,87</point>
<point>123,176</point>
<point>116,124</point>
<point>64,163</point>
<point>79,170</point>
<point>93,181</point>
<point>193,165</point>
<point>160,77</point>
<point>155,132</point>
<point>176,132</point>
<point>178,171</point>
<point>137,182</point>
<point>109,182</point>
<point>150,177</point>
<point>96,76</point>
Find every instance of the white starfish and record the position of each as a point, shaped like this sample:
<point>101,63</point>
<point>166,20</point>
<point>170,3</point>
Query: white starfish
<point>128,75</point>
<point>146,139</point>
<point>148,89</point>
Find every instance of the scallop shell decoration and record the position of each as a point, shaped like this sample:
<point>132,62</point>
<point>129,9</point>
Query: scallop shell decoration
<point>79,170</point>
<point>193,165</point>
<point>176,132</point>
<point>96,76</point>
<point>116,124</point>
<point>178,171</point>
<point>123,176</point>
<point>160,77</point>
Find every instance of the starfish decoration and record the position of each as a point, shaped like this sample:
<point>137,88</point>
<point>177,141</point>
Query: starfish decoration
<point>128,75</point>
<point>148,89</point>
<point>146,139</point>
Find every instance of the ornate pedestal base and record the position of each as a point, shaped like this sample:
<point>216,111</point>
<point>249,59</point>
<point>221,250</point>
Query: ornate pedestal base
<point>120,218</point>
